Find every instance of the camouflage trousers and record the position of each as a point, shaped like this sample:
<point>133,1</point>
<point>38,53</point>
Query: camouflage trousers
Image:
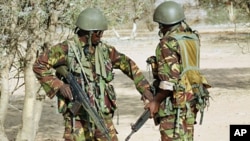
<point>174,128</point>
<point>85,131</point>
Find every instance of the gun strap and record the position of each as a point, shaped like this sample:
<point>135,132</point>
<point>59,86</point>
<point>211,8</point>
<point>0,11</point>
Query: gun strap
<point>100,62</point>
<point>91,96</point>
<point>117,121</point>
<point>178,119</point>
<point>102,95</point>
<point>73,123</point>
<point>79,61</point>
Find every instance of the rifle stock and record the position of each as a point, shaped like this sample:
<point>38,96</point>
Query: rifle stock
<point>81,99</point>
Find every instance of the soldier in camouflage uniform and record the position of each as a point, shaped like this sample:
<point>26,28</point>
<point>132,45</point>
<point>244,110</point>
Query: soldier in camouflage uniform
<point>181,90</point>
<point>91,62</point>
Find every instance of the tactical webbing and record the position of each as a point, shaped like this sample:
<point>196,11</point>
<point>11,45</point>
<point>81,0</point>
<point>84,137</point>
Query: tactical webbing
<point>201,101</point>
<point>84,71</point>
<point>99,62</point>
<point>71,45</point>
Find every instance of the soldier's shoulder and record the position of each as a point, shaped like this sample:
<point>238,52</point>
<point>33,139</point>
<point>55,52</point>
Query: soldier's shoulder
<point>62,46</point>
<point>168,40</point>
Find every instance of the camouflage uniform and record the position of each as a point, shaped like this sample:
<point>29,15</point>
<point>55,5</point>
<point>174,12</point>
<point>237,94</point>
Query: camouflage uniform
<point>177,112</point>
<point>98,62</point>
<point>177,115</point>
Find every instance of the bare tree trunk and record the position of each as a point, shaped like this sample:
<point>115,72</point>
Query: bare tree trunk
<point>5,65</point>
<point>31,116</point>
<point>4,96</point>
<point>6,62</point>
<point>149,12</point>
<point>134,29</point>
<point>116,33</point>
<point>29,127</point>
<point>40,96</point>
<point>34,98</point>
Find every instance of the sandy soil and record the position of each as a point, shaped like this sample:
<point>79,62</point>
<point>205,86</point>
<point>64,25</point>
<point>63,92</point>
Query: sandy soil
<point>222,61</point>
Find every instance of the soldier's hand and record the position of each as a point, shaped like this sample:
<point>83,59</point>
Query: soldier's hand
<point>147,96</point>
<point>146,102</point>
<point>65,91</point>
<point>153,106</point>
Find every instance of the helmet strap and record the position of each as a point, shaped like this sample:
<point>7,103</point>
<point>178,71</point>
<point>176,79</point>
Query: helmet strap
<point>76,30</point>
<point>160,34</point>
<point>89,38</point>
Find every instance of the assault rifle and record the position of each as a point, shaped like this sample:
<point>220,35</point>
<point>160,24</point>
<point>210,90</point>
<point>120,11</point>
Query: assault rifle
<point>144,117</point>
<point>138,124</point>
<point>80,98</point>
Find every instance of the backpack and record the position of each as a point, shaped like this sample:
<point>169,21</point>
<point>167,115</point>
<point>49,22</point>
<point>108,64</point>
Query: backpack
<point>192,85</point>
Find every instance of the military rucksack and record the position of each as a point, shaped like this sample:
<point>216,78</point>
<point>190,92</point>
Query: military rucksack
<point>192,85</point>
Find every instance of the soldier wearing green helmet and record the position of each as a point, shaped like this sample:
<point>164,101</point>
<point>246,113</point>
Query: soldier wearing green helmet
<point>91,62</point>
<point>181,89</point>
<point>169,13</point>
<point>91,19</point>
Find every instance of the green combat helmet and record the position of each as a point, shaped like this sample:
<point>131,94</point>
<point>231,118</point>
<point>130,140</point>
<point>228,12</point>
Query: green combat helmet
<point>168,13</point>
<point>91,19</point>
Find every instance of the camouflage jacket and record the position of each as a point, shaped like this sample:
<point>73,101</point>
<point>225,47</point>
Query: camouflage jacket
<point>59,55</point>
<point>168,60</point>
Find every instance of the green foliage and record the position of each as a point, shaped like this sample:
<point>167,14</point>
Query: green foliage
<point>242,16</point>
<point>24,20</point>
<point>217,16</point>
<point>220,16</point>
<point>218,11</point>
<point>122,12</point>
<point>116,14</point>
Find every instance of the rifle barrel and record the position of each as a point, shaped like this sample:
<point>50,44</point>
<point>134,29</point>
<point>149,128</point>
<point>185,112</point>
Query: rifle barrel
<point>139,123</point>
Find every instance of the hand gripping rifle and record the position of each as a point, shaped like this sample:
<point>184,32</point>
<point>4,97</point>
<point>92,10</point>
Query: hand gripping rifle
<point>143,118</point>
<point>138,124</point>
<point>81,99</point>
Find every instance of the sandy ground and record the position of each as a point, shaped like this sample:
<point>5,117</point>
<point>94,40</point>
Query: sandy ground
<point>222,61</point>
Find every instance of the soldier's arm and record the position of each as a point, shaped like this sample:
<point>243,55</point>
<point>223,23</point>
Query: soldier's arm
<point>129,67</point>
<point>43,68</point>
<point>168,61</point>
